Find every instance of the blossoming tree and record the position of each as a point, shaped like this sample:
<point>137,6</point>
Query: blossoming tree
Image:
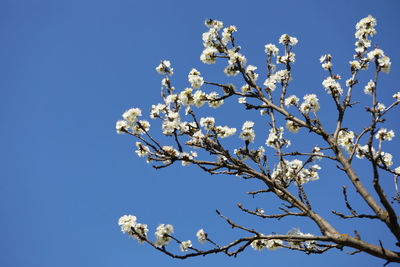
<point>285,175</point>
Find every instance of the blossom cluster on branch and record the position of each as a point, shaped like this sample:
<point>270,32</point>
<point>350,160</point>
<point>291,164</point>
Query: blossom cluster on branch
<point>286,178</point>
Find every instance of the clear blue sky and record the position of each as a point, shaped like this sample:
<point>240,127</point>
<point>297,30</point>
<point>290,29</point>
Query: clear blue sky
<point>68,71</point>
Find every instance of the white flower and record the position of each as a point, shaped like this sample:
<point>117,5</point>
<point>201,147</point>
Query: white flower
<point>241,100</point>
<point>397,170</point>
<point>397,96</point>
<point>310,103</point>
<point>185,245</point>
<point>131,115</point>
<point>199,98</point>
<point>387,159</point>
<point>384,63</point>
<point>186,97</point>
<point>332,86</point>
<point>345,140</point>
<point>247,89</point>
<point>225,131</point>
<point>142,230</point>
<point>227,34</point>
<point>369,88</point>
<point>208,123</point>
<point>156,109</point>
<point>236,57</point>
<point>127,222</point>
<point>250,70</point>
<point>273,244</point>
<point>201,236</point>
<point>142,149</point>
<point>271,48</point>
<point>383,134</point>
<point>285,39</point>
<point>355,64</point>
<point>247,133</point>
<point>292,100</point>
<point>216,24</point>
<point>165,68</point>
<point>259,244</point>
<point>162,234</point>
<point>292,126</point>
<point>380,107</point>
<point>270,83</point>
<point>212,102</point>
<point>208,55</point>
<point>121,126</point>
<point>231,70</point>
<point>316,150</point>
<point>195,79</point>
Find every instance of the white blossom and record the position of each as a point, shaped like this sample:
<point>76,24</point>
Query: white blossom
<point>127,222</point>
<point>384,134</point>
<point>271,48</point>
<point>397,96</point>
<point>162,234</point>
<point>186,97</point>
<point>185,245</point>
<point>201,236</point>
<point>165,68</point>
<point>345,140</point>
<point>156,109</point>
<point>369,88</point>
<point>292,126</point>
<point>212,102</point>
<point>292,100</point>
<point>121,126</point>
<point>199,98</point>
<point>247,133</point>
<point>208,123</point>
<point>131,115</point>
<point>380,107</point>
<point>332,86</point>
<point>196,81</point>
<point>208,55</point>
<point>216,24</point>
<point>310,103</point>
<point>225,131</point>
<point>227,34</point>
<point>142,150</point>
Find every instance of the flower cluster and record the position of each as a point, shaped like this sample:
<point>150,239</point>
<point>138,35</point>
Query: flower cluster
<point>332,86</point>
<point>310,104</point>
<point>309,244</point>
<point>381,59</point>
<point>275,138</point>
<point>383,134</point>
<point>163,235</point>
<point>368,89</point>
<point>364,29</point>
<point>270,244</point>
<point>345,140</point>
<point>285,39</point>
<point>325,60</point>
<point>136,230</point>
<point>130,119</point>
<point>247,133</point>
<point>224,131</point>
<point>185,245</point>
<point>292,100</point>
<point>165,68</point>
<point>195,79</point>
<point>271,48</point>
<point>295,171</point>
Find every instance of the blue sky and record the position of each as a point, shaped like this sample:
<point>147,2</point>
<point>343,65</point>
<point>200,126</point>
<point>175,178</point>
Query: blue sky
<point>70,68</point>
